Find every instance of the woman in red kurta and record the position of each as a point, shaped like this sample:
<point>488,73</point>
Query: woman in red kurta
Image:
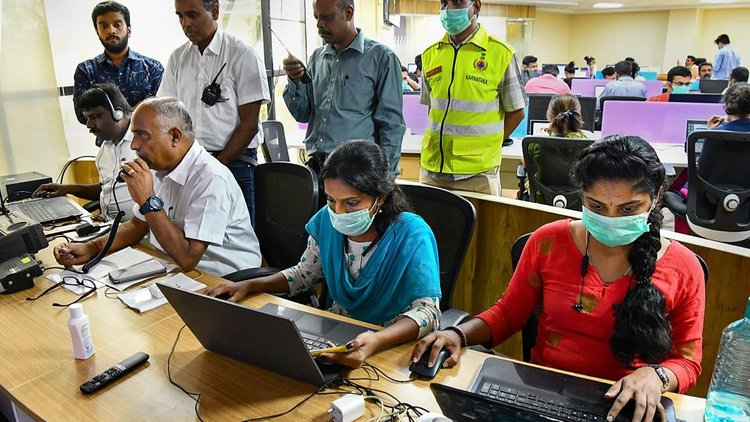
<point>636,316</point>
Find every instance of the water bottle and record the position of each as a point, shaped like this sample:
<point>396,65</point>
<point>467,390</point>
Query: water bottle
<point>729,394</point>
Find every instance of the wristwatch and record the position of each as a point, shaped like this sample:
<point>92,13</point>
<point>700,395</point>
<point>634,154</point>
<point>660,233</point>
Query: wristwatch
<point>662,376</point>
<point>153,203</point>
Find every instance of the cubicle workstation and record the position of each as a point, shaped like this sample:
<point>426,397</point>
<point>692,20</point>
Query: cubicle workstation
<point>588,87</point>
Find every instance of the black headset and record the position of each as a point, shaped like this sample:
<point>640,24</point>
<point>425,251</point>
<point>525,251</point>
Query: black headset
<point>578,306</point>
<point>117,113</point>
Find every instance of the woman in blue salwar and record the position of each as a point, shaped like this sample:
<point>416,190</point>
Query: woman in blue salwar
<point>378,259</point>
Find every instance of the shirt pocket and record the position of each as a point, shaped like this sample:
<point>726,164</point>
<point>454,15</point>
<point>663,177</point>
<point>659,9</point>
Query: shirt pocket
<point>356,93</point>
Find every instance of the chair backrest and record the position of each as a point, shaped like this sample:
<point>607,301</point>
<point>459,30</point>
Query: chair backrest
<point>452,219</point>
<point>712,86</point>
<point>603,100</point>
<point>274,142</point>
<point>286,197</point>
<point>695,98</point>
<point>529,330</point>
<point>548,161</point>
<point>719,185</point>
<point>588,112</point>
<point>538,104</point>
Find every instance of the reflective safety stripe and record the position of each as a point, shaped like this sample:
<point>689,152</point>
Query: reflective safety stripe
<point>464,105</point>
<point>468,130</point>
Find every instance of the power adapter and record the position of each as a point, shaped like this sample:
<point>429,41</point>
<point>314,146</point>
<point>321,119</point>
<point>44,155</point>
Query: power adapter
<point>86,229</point>
<point>347,409</point>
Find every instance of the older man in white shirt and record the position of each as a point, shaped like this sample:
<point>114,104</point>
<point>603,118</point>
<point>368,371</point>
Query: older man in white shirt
<point>194,210</point>
<point>225,114</point>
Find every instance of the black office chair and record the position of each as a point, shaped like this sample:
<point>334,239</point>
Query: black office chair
<point>712,86</point>
<point>286,197</point>
<point>588,112</point>
<point>452,219</point>
<point>718,203</point>
<point>274,142</point>
<point>603,100</point>
<point>696,98</point>
<point>529,330</point>
<point>538,104</point>
<point>548,161</point>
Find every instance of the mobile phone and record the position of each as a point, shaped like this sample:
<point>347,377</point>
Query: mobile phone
<point>145,269</point>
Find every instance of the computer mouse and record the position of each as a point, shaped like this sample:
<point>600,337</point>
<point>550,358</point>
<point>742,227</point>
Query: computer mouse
<point>508,142</point>
<point>421,367</point>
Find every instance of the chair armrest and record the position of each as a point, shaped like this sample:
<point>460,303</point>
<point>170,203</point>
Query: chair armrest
<point>250,273</point>
<point>675,203</point>
<point>452,317</point>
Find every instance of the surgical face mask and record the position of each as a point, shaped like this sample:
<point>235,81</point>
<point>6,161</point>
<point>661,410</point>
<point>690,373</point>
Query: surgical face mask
<point>405,86</point>
<point>679,89</point>
<point>455,21</point>
<point>352,223</point>
<point>615,231</point>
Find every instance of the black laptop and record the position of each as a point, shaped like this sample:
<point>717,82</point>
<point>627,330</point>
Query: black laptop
<point>273,337</point>
<point>47,210</point>
<point>507,391</point>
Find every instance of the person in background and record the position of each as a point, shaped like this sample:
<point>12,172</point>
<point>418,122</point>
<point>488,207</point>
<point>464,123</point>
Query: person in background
<point>356,88</point>
<point>726,59</point>
<point>739,74</point>
<point>705,70</point>
<point>418,72</point>
<point>184,198</point>
<point>591,63</point>
<point>548,83</point>
<point>690,64</point>
<point>135,75</point>
<point>227,120</point>
<point>616,299</point>
<point>624,86</point>
<point>678,82</point>
<point>565,120</point>
<point>107,114</point>
<point>737,106</point>
<point>529,68</point>
<point>378,259</point>
<point>609,73</point>
<point>570,70</point>
<point>407,84</point>
<point>636,68</point>
<point>473,86</point>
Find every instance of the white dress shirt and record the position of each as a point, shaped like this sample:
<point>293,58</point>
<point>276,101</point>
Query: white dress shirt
<point>108,161</point>
<point>202,198</point>
<point>242,81</point>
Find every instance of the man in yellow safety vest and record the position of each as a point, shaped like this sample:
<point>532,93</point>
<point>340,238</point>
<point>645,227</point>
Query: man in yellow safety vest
<point>473,86</point>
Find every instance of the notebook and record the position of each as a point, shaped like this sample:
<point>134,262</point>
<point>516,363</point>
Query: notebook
<point>273,337</point>
<point>505,390</point>
<point>47,210</point>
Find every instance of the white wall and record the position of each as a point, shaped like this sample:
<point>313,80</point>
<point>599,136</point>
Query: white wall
<point>551,39</point>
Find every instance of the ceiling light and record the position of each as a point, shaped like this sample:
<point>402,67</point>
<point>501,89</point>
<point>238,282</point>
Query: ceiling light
<point>717,1</point>
<point>607,5</point>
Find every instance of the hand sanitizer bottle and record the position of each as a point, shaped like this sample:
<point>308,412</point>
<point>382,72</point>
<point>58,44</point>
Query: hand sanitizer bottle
<point>78,323</point>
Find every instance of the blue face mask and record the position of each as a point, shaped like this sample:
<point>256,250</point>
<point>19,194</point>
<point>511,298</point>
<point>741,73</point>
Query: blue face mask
<point>455,21</point>
<point>405,86</point>
<point>352,223</point>
<point>679,89</point>
<point>615,231</point>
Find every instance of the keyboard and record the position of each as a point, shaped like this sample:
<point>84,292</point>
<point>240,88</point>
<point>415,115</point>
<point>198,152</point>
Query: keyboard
<point>314,342</point>
<point>555,408</point>
<point>36,211</point>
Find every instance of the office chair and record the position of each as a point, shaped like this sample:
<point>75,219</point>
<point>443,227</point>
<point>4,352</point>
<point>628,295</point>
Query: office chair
<point>538,104</point>
<point>274,142</point>
<point>452,219</point>
<point>602,100</point>
<point>712,86</point>
<point>529,330</point>
<point>696,98</point>
<point>718,203</point>
<point>548,161</point>
<point>286,197</point>
<point>588,112</point>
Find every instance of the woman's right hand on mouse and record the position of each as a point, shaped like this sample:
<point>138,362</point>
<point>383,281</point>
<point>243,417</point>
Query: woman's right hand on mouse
<point>434,342</point>
<point>235,291</point>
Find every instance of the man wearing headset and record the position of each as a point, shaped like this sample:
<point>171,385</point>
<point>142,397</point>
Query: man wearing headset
<point>107,115</point>
<point>136,75</point>
<point>184,198</point>
<point>223,85</point>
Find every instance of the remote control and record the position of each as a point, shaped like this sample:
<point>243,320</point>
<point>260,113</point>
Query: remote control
<point>113,373</point>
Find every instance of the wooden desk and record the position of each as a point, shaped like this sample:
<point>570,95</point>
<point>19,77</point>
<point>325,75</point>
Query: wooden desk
<point>38,373</point>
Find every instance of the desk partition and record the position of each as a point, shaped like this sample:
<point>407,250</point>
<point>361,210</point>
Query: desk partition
<point>653,121</point>
<point>587,87</point>
<point>415,114</point>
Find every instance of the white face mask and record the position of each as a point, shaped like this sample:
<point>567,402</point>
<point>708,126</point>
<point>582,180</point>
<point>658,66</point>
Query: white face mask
<point>353,223</point>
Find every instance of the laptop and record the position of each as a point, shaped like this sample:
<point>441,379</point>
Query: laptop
<point>47,210</point>
<point>692,126</point>
<point>273,337</point>
<point>536,126</point>
<point>507,391</point>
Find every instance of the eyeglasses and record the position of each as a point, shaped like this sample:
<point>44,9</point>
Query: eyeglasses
<point>86,283</point>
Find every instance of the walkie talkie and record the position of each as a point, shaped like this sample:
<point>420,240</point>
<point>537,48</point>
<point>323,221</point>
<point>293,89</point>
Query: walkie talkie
<point>212,93</point>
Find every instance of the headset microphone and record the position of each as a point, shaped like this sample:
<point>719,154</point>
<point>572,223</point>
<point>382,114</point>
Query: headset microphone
<point>212,93</point>
<point>578,306</point>
<point>117,113</point>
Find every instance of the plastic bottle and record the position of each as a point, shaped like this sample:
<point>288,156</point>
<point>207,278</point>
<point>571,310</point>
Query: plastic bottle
<point>78,324</point>
<point>729,394</point>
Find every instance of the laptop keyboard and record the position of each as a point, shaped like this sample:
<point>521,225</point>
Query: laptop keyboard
<point>36,211</point>
<point>533,402</point>
<point>314,342</point>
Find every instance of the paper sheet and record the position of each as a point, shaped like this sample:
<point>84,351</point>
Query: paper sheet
<point>143,300</point>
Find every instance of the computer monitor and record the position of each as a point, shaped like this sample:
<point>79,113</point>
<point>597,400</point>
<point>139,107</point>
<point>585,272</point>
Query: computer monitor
<point>598,89</point>
<point>537,126</point>
<point>695,98</point>
<point>411,67</point>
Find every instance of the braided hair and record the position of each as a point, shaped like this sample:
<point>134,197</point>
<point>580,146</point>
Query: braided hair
<point>642,327</point>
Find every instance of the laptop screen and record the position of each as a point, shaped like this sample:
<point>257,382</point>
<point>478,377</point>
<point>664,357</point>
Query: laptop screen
<point>537,126</point>
<point>694,125</point>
